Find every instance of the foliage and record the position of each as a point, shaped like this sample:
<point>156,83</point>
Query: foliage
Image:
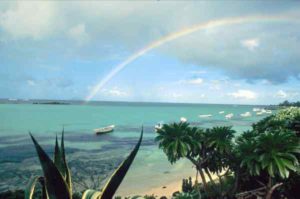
<point>56,182</point>
<point>175,140</point>
<point>284,119</point>
<point>287,104</point>
<point>274,152</point>
<point>187,185</point>
<point>183,195</point>
<point>264,156</point>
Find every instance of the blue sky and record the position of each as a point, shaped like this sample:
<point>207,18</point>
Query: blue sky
<point>61,50</point>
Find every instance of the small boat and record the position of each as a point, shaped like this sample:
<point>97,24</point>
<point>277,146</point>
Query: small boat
<point>229,116</point>
<point>205,116</point>
<point>259,113</point>
<point>183,119</point>
<point>256,109</point>
<point>268,111</point>
<point>104,130</point>
<point>221,112</point>
<point>158,126</point>
<point>247,114</point>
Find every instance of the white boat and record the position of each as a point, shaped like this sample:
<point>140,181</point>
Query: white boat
<point>259,113</point>
<point>205,116</point>
<point>263,110</point>
<point>247,114</point>
<point>183,119</point>
<point>256,109</point>
<point>221,112</point>
<point>158,126</point>
<point>268,111</point>
<point>104,130</point>
<point>229,116</point>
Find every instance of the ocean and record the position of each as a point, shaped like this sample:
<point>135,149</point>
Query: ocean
<point>93,158</point>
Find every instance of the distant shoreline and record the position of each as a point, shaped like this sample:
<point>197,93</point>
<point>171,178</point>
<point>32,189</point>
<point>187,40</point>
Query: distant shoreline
<point>80,102</point>
<point>52,103</point>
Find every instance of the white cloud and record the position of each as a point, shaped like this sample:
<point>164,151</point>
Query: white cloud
<point>28,19</point>
<point>244,94</point>
<point>176,95</point>
<point>281,94</point>
<point>215,85</point>
<point>198,72</point>
<point>250,44</point>
<point>202,96</point>
<point>196,81</point>
<point>79,34</point>
<point>31,83</point>
<point>115,92</point>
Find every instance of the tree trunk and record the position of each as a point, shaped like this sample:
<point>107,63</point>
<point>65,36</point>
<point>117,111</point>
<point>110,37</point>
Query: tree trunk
<point>236,181</point>
<point>272,189</point>
<point>203,180</point>
<point>199,168</point>
<point>209,176</point>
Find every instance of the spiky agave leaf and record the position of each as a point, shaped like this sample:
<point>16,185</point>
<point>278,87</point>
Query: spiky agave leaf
<point>91,194</point>
<point>65,165</point>
<point>58,159</point>
<point>29,190</point>
<point>56,186</point>
<point>115,180</point>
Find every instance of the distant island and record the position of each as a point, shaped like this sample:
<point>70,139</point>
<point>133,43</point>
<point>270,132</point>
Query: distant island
<point>288,104</point>
<point>52,103</point>
<point>283,104</point>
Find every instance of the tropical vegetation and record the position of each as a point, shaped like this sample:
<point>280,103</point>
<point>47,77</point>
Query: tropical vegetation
<point>263,161</point>
<point>287,104</point>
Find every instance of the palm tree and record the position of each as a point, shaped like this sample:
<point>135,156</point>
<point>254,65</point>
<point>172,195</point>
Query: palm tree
<point>175,140</point>
<point>273,153</point>
<point>178,140</point>
<point>219,141</point>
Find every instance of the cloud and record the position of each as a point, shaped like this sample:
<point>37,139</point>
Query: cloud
<point>244,94</point>
<point>79,34</point>
<point>287,94</point>
<point>198,72</point>
<point>115,92</point>
<point>28,19</point>
<point>281,94</point>
<point>31,83</point>
<point>194,81</point>
<point>251,44</point>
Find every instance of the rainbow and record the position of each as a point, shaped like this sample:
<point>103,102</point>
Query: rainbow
<point>170,37</point>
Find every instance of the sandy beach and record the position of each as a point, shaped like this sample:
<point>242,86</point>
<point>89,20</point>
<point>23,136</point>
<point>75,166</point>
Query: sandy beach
<point>168,189</point>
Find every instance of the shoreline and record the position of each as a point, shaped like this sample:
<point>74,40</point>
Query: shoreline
<point>168,189</point>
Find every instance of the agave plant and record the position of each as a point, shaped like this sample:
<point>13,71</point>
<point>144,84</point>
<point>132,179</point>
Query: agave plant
<point>56,182</point>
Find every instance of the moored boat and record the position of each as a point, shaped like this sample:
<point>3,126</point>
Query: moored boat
<point>229,116</point>
<point>205,116</point>
<point>104,130</point>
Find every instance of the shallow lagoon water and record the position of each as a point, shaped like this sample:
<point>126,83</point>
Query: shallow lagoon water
<point>95,157</point>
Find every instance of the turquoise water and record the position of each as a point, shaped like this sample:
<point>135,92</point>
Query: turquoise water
<point>98,155</point>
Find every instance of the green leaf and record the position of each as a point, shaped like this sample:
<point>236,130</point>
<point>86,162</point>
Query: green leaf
<point>29,190</point>
<point>55,183</point>
<point>58,161</point>
<point>65,165</point>
<point>289,164</point>
<point>271,169</point>
<point>281,168</point>
<point>257,169</point>
<point>91,194</point>
<point>116,179</point>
